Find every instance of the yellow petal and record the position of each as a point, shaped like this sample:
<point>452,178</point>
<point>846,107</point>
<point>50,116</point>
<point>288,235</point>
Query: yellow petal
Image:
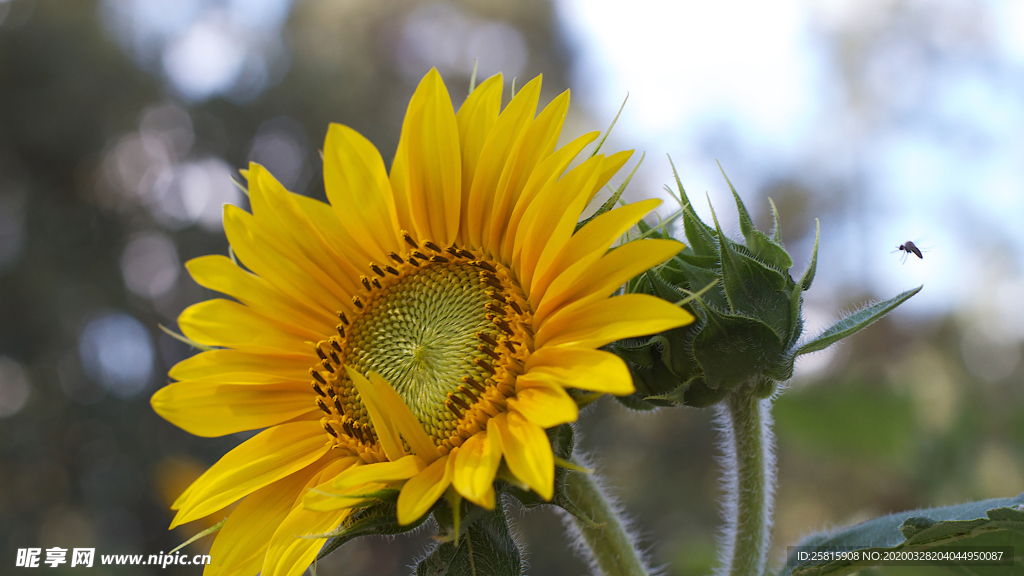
<point>494,155</point>
<point>235,366</point>
<point>291,551</point>
<point>593,370</point>
<point>426,176</point>
<point>546,405</point>
<point>207,409</point>
<point>562,231</point>
<point>325,219</point>
<point>536,143</point>
<point>358,188</point>
<point>219,273</point>
<point>408,426</point>
<point>221,322</point>
<point>265,458</point>
<point>476,463</point>
<point>295,236</point>
<point>612,165</point>
<point>476,118</point>
<point>598,323</point>
<point>241,544</point>
<point>320,490</point>
<point>421,491</point>
<point>558,203</point>
<point>527,452</point>
<point>260,252</point>
<point>402,469</point>
<point>324,499</point>
<point>387,432</point>
<point>609,273</point>
<point>588,244</point>
<point>547,172</point>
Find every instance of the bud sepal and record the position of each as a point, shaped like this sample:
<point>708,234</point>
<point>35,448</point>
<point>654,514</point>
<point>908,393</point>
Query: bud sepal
<point>747,306</point>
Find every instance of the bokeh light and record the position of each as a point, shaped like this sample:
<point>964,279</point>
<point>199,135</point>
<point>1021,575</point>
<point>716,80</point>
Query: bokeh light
<point>150,264</point>
<point>117,351</point>
<point>15,387</point>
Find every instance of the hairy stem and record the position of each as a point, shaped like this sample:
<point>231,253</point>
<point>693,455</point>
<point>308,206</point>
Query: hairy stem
<point>612,548</point>
<point>749,461</point>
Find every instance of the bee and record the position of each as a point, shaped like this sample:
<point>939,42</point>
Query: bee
<point>909,248</point>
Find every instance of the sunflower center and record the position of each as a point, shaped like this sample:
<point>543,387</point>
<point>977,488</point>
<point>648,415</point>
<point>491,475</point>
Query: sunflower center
<point>420,335</point>
<point>449,330</point>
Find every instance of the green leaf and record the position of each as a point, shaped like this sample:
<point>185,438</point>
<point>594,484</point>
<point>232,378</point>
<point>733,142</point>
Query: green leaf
<point>732,349</point>
<point>377,520</point>
<point>662,288</point>
<point>610,202</point>
<point>808,277</point>
<point>700,395</point>
<point>855,322</point>
<point>606,132</point>
<point>454,516</point>
<point>649,361</point>
<point>758,243</point>
<point>563,440</point>
<point>683,199</point>
<point>487,549</point>
<point>776,230</point>
<point>472,77</point>
<point>699,235</point>
<point>185,339</point>
<point>796,321</point>
<point>972,523</point>
<point>689,277</point>
<point>676,397</point>
<point>754,289</point>
<point>206,532</point>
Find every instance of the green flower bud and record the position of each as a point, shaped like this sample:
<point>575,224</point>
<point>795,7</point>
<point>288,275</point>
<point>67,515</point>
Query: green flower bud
<point>747,305</point>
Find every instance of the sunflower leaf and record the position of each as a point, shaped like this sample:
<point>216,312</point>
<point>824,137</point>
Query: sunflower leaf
<point>758,242</point>
<point>754,288</point>
<point>185,339</point>
<point>472,78</point>
<point>612,125</point>
<point>776,229</point>
<point>996,522</point>
<point>808,277</point>
<point>487,549</point>
<point>454,516</point>
<point>610,202</point>
<point>855,322</point>
<point>377,520</point>
<point>700,237</point>
<point>732,349</point>
<point>675,397</point>
<point>206,532</point>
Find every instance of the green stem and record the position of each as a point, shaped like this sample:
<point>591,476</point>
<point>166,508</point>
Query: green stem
<point>749,483</point>
<point>612,548</point>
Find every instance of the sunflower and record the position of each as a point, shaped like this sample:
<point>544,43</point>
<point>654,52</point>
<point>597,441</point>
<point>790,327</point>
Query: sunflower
<point>417,333</point>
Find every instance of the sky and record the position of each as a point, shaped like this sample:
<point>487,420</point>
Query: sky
<point>928,148</point>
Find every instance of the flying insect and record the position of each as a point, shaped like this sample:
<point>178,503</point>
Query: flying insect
<point>909,248</point>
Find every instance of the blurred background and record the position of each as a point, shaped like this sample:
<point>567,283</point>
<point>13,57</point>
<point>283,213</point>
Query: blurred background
<point>124,121</point>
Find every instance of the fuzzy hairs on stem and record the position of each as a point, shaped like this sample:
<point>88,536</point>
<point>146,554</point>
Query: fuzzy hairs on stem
<point>747,458</point>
